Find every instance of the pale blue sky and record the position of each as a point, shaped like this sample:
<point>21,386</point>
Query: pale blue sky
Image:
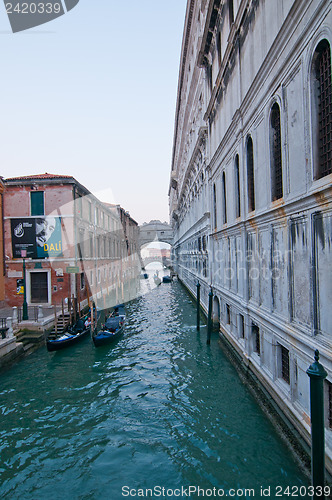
<point>92,94</point>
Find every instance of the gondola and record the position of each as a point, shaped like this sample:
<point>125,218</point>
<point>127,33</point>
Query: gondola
<point>113,328</point>
<point>73,334</point>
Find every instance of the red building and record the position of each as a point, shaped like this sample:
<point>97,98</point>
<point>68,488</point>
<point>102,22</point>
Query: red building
<point>74,244</point>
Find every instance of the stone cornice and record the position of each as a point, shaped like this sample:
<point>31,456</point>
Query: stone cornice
<point>210,25</point>
<point>183,59</point>
<point>202,135</point>
<point>241,17</point>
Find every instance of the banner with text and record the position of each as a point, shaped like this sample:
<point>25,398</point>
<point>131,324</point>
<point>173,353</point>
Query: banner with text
<point>40,237</point>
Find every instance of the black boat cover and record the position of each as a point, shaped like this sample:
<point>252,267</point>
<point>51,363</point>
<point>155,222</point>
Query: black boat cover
<point>112,323</point>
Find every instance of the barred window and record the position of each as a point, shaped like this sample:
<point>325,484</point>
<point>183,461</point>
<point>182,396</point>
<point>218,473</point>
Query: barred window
<point>237,187</point>
<point>231,12</point>
<point>284,363</point>
<point>228,315</point>
<point>257,340</point>
<point>224,202</point>
<point>250,175</point>
<point>329,405</point>
<point>215,206</point>
<point>321,110</point>
<point>219,48</point>
<point>241,326</point>
<point>276,156</point>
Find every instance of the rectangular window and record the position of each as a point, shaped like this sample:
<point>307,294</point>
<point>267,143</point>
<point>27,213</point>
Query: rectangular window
<point>79,206</point>
<point>37,203</point>
<point>329,404</point>
<point>257,340</point>
<point>241,326</point>
<point>82,281</point>
<point>228,315</point>
<point>284,359</point>
<point>91,244</point>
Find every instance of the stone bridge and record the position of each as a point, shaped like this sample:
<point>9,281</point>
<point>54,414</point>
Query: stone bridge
<point>155,231</point>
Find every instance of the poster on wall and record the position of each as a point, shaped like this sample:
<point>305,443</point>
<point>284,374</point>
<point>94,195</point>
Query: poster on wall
<point>20,287</point>
<point>40,237</point>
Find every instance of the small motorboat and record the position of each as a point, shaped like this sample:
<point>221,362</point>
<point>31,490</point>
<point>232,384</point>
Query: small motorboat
<point>156,279</point>
<point>112,329</point>
<point>71,335</point>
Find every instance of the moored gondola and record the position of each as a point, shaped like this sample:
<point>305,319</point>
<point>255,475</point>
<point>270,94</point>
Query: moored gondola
<point>73,334</point>
<point>112,329</point>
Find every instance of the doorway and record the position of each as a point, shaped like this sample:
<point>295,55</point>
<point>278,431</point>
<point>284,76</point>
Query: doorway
<point>39,287</point>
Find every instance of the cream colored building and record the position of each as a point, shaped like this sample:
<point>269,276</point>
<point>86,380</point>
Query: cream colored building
<point>250,189</point>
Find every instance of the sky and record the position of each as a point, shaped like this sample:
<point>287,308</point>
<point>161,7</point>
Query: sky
<point>92,94</point>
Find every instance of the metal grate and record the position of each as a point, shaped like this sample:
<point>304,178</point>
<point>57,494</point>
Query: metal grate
<point>285,364</point>
<point>324,110</point>
<point>276,153</point>
<point>250,174</point>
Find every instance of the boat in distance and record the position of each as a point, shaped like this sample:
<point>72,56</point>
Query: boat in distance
<point>112,329</point>
<point>72,335</point>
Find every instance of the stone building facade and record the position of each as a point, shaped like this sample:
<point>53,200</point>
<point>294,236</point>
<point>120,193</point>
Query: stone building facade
<point>74,244</point>
<point>250,189</point>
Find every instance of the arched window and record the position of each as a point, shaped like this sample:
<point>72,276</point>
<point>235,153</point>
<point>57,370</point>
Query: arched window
<point>224,203</point>
<point>276,157</point>
<point>250,174</point>
<point>215,206</point>
<point>321,110</point>
<point>237,187</point>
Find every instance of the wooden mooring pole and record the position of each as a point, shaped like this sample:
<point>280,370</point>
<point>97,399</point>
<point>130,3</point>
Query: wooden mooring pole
<point>209,321</point>
<point>198,304</point>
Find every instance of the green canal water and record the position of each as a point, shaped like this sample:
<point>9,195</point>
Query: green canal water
<point>157,413</point>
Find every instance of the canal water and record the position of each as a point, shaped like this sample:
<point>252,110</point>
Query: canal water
<point>160,409</point>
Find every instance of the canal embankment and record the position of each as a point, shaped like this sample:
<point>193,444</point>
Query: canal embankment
<point>272,404</point>
<point>19,337</point>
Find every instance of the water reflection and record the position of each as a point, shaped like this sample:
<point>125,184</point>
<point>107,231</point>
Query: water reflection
<point>159,408</point>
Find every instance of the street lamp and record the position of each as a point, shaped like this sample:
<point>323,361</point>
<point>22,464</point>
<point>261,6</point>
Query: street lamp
<point>25,305</point>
